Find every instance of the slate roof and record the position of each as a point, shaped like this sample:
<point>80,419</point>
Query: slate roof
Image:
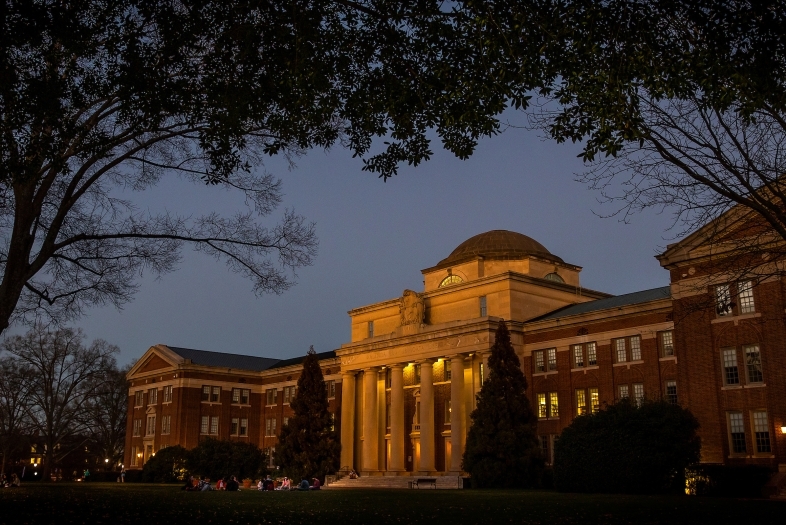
<point>220,359</point>
<point>645,296</point>
<point>298,360</point>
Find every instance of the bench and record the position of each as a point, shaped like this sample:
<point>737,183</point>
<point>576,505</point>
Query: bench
<point>423,481</point>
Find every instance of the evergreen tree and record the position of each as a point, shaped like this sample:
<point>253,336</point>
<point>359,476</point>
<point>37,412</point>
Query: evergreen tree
<point>308,444</point>
<point>502,447</point>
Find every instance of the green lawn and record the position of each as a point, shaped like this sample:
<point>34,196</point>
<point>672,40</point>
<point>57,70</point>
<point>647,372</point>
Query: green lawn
<point>116,504</point>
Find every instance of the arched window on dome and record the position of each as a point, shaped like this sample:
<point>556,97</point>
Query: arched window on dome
<point>554,276</point>
<point>451,279</point>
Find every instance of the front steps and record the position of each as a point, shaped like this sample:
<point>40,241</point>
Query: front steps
<point>393,482</point>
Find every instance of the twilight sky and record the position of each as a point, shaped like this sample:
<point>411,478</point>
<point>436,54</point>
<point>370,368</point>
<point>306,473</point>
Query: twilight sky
<point>375,238</point>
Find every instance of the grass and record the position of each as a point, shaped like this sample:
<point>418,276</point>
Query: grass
<point>130,503</point>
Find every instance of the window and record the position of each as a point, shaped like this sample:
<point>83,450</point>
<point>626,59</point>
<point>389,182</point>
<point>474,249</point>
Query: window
<point>731,374</point>
<point>243,427</point>
<point>737,433</point>
<point>723,304</point>
<point>592,354</point>
<point>762,432</point>
<point>451,279</point>
<point>581,402</point>
<point>214,425</point>
<point>447,371</point>
<point>553,404</point>
<point>594,400</point>
<point>236,395</point>
<point>542,409</point>
<point>245,396</point>
<point>286,422</point>
<point>331,389</point>
<point>203,425</point>
<point>205,393</point>
<point>152,396</point>
<point>554,276</point>
<point>270,396</point>
<point>215,395</point>
<point>417,374</point>
<point>544,445</point>
<point>745,295</point>
<point>134,456</point>
<point>753,364</point>
<point>233,426</point>
<point>482,373</point>
<point>623,391</point>
<point>137,427</point>
<point>666,343</point>
<point>270,426</point>
<point>635,348</point>
<point>540,364</point>
<point>638,393</point>
<point>622,355</point>
<point>166,424</point>
<point>371,328</point>
<point>447,411</point>
<point>671,392</point>
<point>271,453</point>
<point>552,355</point>
<point>289,395</point>
<point>168,394</point>
<point>139,398</point>
<point>483,309</point>
<point>578,356</point>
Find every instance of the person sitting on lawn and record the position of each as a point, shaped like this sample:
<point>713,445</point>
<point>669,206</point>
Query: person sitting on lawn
<point>269,484</point>
<point>233,485</point>
<point>189,484</point>
<point>304,485</point>
<point>15,481</point>
<point>285,485</point>
<point>204,485</point>
<point>316,485</point>
<point>261,485</point>
<point>221,484</point>
<point>353,474</point>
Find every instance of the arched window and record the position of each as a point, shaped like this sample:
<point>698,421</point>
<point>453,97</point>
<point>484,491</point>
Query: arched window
<point>554,276</point>
<point>451,279</point>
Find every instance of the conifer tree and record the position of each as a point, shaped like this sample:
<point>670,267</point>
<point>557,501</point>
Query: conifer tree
<point>308,444</point>
<point>502,448</point>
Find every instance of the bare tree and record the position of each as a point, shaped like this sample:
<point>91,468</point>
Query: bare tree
<point>15,385</point>
<point>65,377</point>
<point>105,415</point>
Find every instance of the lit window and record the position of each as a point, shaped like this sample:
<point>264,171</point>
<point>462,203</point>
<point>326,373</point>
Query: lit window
<point>592,355</point>
<point>233,427</point>
<point>667,343</point>
<point>745,294</point>
<point>553,405</point>
<point>753,363</point>
<point>578,356</point>
<point>482,373</point>
<point>737,433</point>
<point>244,427</point>
<point>671,392</point>
<point>594,399</point>
<point>285,422</point>
<point>722,299</point>
<point>540,365</point>
<point>635,348</point>
<point>203,427</point>
<point>623,389</point>
<point>731,374</point>
<point>205,393</point>
<point>762,430</point>
<point>166,424</point>
<point>622,356</point>
<point>451,279</point>
<point>483,309</point>
<point>542,412</point>
<point>581,402</point>
<point>134,456</point>
<point>214,425</point>
<point>554,276</point>
<point>552,354</point>
<point>638,393</point>
<point>371,328</point>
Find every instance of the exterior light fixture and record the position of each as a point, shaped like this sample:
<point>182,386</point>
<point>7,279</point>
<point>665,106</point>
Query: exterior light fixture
<point>783,430</point>
<point>106,460</point>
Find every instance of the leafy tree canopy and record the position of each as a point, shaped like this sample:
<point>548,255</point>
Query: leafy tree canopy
<point>218,459</point>
<point>502,448</point>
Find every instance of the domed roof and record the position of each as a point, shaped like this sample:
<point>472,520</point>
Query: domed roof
<point>498,244</point>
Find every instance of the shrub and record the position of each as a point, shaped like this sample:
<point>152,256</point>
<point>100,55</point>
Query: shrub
<point>734,481</point>
<point>625,448</point>
<point>167,466</point>
<point>217,459</point>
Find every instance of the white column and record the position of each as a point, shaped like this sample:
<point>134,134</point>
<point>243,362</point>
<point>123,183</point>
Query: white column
<point>427,462</point>
<point>397,418</point>
<point>370,423</point>
<point>347,420</point>
<point>457,432</point>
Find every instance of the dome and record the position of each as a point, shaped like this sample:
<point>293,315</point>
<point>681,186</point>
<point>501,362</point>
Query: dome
<point>502,244</point>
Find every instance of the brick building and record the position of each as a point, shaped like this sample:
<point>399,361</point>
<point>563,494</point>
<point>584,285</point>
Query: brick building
<point>402,389</point>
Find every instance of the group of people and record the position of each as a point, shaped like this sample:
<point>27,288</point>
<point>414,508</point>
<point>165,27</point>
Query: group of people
<point>195,484</point>
<point>13,481</point>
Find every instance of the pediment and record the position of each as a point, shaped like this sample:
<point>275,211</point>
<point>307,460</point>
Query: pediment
<point>157,357</point>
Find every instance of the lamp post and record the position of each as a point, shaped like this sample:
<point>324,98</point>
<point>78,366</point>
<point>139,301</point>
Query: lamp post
<point>106,464</point>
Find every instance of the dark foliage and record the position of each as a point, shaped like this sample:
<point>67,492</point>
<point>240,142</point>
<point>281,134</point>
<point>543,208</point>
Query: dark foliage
<point>626,448</point>
<point>502,448</point>
<point>167,466</point>
<point>217,459</point>
<point>308,445</point>
<point>730,481</point>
